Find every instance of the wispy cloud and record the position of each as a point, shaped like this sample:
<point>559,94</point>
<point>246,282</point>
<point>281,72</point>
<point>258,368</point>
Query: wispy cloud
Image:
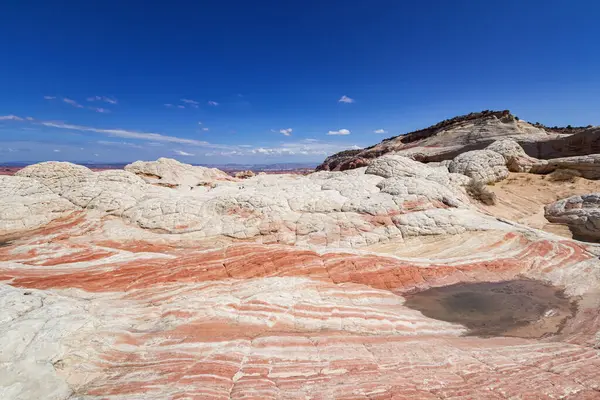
<point>286,132</point>
<point>213,103</point>
<point>168,105</point>
<point>119,144</point>
<point>199,122</point>
<point>157,137</point>
<point>224,153</point>
<point>345,99</point>
<point>182,153</point>
<point>188,101</point>
<point>380,131</point>
<point>180,106</point>
<point>313,149</point>
<point>306,147</point>
<point>10,118</point>
<point>205,129</point>
<point>72,103</point>
<point>339,132</point>
<point>99,110</point>
<point>103,98</point>
<point>56,150</point>
<point>49,97</point>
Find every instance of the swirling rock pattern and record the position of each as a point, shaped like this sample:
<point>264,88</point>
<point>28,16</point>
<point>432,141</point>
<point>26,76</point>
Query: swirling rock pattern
<point>274,287</point>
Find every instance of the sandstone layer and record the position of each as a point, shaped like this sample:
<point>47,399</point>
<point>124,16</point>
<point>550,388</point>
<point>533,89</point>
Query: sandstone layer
<point>475,131</point>
<point>167,281</point>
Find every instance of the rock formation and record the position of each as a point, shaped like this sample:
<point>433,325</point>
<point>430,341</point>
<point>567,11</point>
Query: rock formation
<point>580,213</point>
<point>244,174</point>
<point>173,174</point>
<point>475,131</point>
<point>169,281</point>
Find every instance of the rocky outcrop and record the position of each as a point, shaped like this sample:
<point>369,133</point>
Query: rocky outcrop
<point>577,142</point>
<point>449,138</point>
<point>515,157</point>
<point>174,174</point>
<point>244,174</point>
<point>27,204</point>
<point>481,165</point>
<point>586,166</point>
<point>278,287</point>
<point>580,213</point>
<point>475,131</point>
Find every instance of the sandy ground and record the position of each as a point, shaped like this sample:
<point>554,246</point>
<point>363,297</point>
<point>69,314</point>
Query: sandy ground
<point>522,197</point>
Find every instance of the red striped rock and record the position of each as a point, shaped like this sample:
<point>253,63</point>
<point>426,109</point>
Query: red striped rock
<point>309,305</point>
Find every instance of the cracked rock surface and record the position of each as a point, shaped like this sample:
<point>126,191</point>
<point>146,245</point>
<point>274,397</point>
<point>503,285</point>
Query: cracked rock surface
<point>168,281</point>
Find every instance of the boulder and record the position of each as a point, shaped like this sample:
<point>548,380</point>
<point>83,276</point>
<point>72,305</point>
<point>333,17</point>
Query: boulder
<point>514,155</point>
<point>580,213</point>
<point>244,174</point>
<point>486,166</point>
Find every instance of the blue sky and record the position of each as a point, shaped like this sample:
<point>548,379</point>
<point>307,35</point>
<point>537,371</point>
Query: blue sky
<point>280,81</point>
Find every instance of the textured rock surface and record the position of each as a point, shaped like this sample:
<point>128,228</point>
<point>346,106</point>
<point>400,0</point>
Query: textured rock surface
<point>244,174</point>
<point>27,204</point>
<point>174,174</point>
<point>580,213</point>
<point>588,166</point>
<point>485,166</point>
<point>275,287</point>
<point>449,138</point>
<point>514,155</point>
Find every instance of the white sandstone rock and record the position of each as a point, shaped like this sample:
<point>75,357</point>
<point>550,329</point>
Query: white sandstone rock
<point>27,204</point>
<point>172,173</point>
<point>514,155</point>
<point>482,165</point>
<point>580,213</point>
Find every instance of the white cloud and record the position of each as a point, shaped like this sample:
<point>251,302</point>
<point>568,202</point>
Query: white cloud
<point>191,103</point>
<point>119,144</point>
<point>340,132</point>
<point>182,153</point>
<point>56,151</point>
<point>72,103</point>
<point>213,103</point>
<point>310,147</point>
<point>306,148</point>
<point>286,132</point>
<point>188,101</point>
<point>205,129</point>
<point>10,118</point>
<point>102,98</point>
<point>224,153</point>
<point>380,131</point>
<point>49,97</point>
<point>180,106</point>
<point>99,110</point>
<point>199,122</point>
<point>345,99</point>
<point>168,105</point>
<point>156,137</point>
